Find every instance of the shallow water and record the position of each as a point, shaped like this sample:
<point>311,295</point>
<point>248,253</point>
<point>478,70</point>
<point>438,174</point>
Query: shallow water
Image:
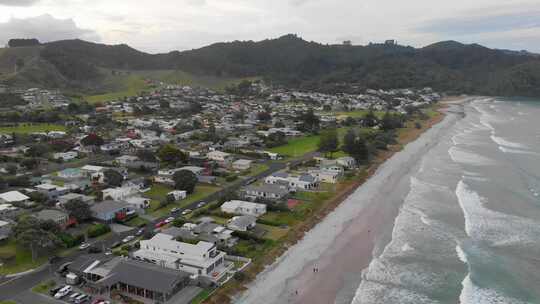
<point>469,228</point>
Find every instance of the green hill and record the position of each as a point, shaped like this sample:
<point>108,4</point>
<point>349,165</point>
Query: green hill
<point>86,67</point>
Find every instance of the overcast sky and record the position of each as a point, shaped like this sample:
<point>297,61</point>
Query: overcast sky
<point>165,25</point>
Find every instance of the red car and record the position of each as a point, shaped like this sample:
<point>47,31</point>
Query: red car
<point>161,224</point>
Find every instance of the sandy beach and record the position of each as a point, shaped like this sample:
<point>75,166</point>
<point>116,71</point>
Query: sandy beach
<point>326,265</point>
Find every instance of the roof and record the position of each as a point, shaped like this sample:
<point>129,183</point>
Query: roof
<point>92,168</point>
<point>281,174</point>
<point>243,220</point>
<point>307,178</point>
<point>145,275</point>
<point>243,162</point>
<point>108,206</point>
<point>13,196</point>
<point>50,214</point>
<point>234,204</point>
<point>268,188</point>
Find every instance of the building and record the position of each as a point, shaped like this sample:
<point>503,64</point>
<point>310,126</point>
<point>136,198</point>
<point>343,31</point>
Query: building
<point>52,191</point>
<point>66,156</point>
<point>70,173</point>
<point>301,182</point>
<point>152,283</point>
<point>5,230</point>
<point>109,211</point>
<point>224,159</point>
<point>200,259</point>
<point>242,164</point>
<point>178,194</point>
<point>266,191</point>
<point>59,217</point>
<point>70,197</point>
<point>347,162</point>
<point>120,193</point>
<point>242,223</point>
<point>244,208</point>
<point>13,197</point>
<point>138,203</point>
<point>92,171</point>
<point>9,211</point>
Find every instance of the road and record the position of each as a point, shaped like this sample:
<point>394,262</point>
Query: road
<point>18,288</point>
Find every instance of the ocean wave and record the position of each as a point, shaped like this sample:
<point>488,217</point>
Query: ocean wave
<point>473,294</point>
<point>459,155</point>
<point>510,144</point>
<point>374,292</point>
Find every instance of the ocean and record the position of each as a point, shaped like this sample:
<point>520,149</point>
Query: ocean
<point>468,231</point>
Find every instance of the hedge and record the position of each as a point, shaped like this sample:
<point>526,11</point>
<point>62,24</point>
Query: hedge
<point>97,230</point>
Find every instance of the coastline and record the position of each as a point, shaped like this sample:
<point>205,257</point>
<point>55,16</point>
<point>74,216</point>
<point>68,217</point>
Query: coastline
<point>295,283</point>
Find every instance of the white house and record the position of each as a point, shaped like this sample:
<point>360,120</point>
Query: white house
<point>347,162</point>
<point>138,203</point>
<point>242,223</point>
<point>301,182</point>
<point>201,259</point>
<point>8,211</point>
<point>325,176</point>
<point>223,158</point>
<point>244,208</point>
<point>12,197</point>
<point>126,159</point>
<point>52,191</point>
<point>178,194</point>
<point>120,194</point>
<point>5,230</point>
<point>67,156</point>
<point>242,164</point>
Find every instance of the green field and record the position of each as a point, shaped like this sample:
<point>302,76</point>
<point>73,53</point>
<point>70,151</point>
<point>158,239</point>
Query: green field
<point>22,260</point>
<point>44,287</point>
<point>32,128</point>
<point>299,146</point>
<point>133,83</point>
<point>159,192</point>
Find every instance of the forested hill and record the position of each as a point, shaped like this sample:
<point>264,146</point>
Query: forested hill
<point>448,66</point>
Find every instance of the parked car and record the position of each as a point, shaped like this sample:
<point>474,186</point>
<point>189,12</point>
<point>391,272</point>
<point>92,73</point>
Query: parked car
<point>169,220</point>
<point>54,290</point>
<point>83,246</point>
<point>175,210</point>
<point>116,244</point>
<point>95,249</point>
<point>73,296</point>
<point>81,299</point>
<point>187,211</point>
<point>161,224</point>
<point>201,204</point>
<point>140,232</point>
<point>128,239</point>
<point>108,252</point>
<point>64,291</point>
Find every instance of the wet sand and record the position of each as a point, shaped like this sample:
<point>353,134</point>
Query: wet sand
<point>326,265</point>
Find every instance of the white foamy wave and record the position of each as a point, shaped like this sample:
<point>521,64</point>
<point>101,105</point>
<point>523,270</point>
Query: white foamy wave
<point>373,292</point>
<point>517,151</point>
<point>472,294</point>
<point>461,255</point>
<point>407,247</point>
<point>498,229</point>
<point>461,156</point>
<point>503,142</point>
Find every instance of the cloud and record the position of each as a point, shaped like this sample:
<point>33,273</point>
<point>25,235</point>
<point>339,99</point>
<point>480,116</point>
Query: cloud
<point>44,28</point>
<point>18,2</point>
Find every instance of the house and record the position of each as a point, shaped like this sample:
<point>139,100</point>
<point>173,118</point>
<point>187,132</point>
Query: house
<point>67,156</point>
<point>9,211</point>
<point>109,211</point>
<point>92,171</point>
<point>5,230</point>
<point>13,197</point>
<point>242,164</point>
<point>347,162</point>
<point>266,191</point>
<point>178,194</point>
<point>153,283</point>
<point>242,223</point>
<point>59,217</point>
<point>200,259</point>
<point>224,159</point>
<point>120,193</point>
<point>126,159</point>
<point>52,191</point>
<point>71,197</point>
<point>211,232</point>
<point>138,203</point>
<point>302,182</point>
<point>198,171</point>
<point>141,184</point>
<point>244,208</point>
<point>325,176</point>
<point>70,173</point>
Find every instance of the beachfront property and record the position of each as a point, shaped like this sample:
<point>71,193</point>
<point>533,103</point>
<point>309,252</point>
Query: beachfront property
<point>272,192</point>
<point>243,208</point>
<point>294,182</point>
<point>242,223</point>
<point>200,259</point>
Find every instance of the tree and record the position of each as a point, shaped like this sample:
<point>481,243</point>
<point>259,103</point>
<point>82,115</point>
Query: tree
<point>11,169</point>
<point>79,210</point>
<point>171,154</point>
<point>391,121</point>
<point>113,178</point>
<point>185,180</point>
<point>92,140</point>
<point>163,104</point>
<point>329,141</point>
<point>30,163</point>
<point>356,146</point>
<point>146,155</point>
<point>310,121</point>
<point>264,116</point>
<point>370,119</point>
<point>35,234</point>
<point>37,150</point>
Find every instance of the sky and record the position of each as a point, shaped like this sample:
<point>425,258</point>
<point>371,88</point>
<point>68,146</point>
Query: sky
<point>161,26</point>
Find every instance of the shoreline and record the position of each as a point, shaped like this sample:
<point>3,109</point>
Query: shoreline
<point>328,285</point>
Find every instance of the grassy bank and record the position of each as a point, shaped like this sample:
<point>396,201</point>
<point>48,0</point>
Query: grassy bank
<point>306,216</point>
<point>17,259</point>
<point>27,128</point>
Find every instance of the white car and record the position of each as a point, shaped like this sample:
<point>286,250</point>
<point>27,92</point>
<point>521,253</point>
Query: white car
<point>128,239</point>
<point>186,212</point>
<point>201,204</point>
<point>84,246</point>
<point>73,296</point>
<point>63,292</point>
<point>169,220</point>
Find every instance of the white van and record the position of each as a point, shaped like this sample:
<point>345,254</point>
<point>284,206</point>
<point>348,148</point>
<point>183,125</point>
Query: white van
<point>63,292</point>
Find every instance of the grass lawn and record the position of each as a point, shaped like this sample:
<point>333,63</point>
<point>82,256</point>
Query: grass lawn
<point>21,262</point>
<point>253,250</point>
<point>302,145</point>
<point>159,193</point>
<point>126,86</point>
<point>200,297</point>
<point>32,128</point>
<point>257,169</point>
<point>274,233</point>
<point>8,302</point>
<point>137,222</point>
<point>44,287</point>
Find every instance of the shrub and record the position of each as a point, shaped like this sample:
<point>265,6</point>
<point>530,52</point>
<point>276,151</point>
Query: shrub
<point>97,230</point>
<point>269,223</point>
<point>248,236</point>
<point>71,240</point>
<point>231,178</point>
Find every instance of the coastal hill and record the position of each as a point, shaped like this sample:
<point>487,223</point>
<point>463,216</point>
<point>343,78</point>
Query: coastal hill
<point>289,60</point>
